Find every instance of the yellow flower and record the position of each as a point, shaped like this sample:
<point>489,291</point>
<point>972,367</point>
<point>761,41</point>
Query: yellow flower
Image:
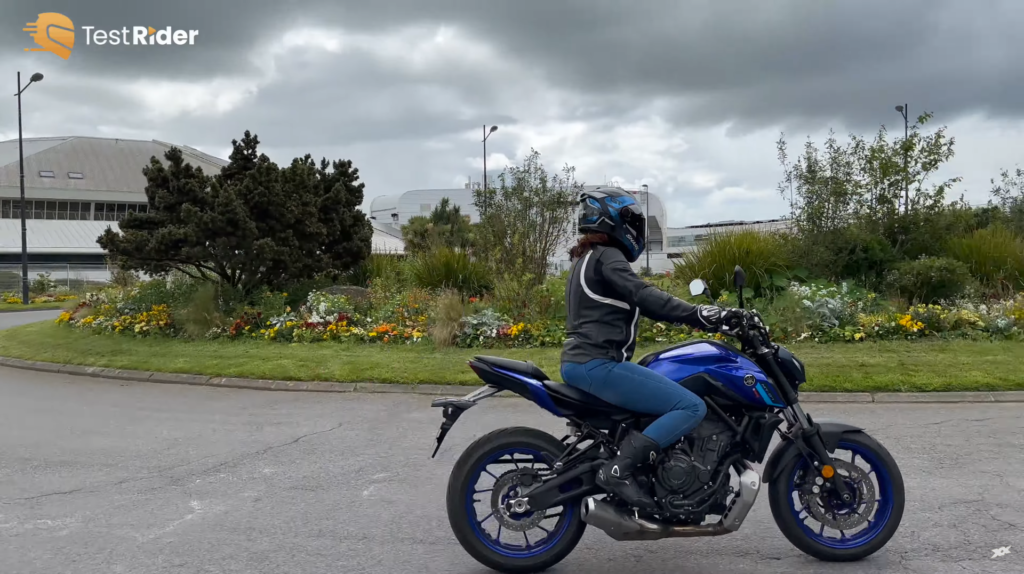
<point>373,334</point>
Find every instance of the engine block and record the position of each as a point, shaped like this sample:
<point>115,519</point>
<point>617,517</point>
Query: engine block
<point>689,467</point>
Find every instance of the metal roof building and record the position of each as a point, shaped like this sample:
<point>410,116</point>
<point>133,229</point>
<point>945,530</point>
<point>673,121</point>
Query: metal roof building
<point>76,187</point>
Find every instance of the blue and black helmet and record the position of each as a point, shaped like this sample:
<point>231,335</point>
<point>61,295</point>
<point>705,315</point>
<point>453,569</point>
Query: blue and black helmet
<point>614,212</point>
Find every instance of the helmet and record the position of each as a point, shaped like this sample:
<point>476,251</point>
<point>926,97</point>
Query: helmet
<point>614,212</point>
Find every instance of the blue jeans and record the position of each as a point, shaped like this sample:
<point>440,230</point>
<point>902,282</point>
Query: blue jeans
<point>639,389</point>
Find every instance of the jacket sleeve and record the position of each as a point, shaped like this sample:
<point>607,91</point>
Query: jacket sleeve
<point>653,302</point>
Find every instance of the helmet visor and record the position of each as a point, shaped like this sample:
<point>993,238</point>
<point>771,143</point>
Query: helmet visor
<point>635,222</point>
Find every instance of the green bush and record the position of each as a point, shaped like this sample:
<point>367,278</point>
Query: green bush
<point>930,279</point>
<point>374,267</point>
<point>514,296</point>
<point>445,268</point>
<point>763,255</point>
<point>994,255</point>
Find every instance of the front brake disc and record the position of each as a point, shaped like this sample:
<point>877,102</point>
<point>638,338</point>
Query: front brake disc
<point>845,517</point>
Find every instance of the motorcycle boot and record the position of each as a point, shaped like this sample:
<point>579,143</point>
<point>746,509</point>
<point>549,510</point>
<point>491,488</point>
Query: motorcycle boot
<point>616,476</point>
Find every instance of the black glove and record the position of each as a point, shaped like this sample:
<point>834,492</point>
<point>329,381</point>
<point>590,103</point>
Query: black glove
<point>721,319</point>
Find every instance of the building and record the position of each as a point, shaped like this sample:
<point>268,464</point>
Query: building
<point>396,211</point>
<point>76,187</point>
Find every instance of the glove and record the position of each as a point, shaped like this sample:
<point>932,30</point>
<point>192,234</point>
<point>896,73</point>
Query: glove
<point>722,320</point>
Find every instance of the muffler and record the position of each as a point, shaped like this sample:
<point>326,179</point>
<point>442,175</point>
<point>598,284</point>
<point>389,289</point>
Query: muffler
<point>624,527</point>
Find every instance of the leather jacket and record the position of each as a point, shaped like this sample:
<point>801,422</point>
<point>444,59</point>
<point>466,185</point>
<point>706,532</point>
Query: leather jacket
<point>604,299</point>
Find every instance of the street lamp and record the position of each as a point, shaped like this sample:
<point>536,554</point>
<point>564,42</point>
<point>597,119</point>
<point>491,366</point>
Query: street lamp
<point>487,134</point>
<point>36,77</point>
<point>647,225</point>
<point>903,109</point>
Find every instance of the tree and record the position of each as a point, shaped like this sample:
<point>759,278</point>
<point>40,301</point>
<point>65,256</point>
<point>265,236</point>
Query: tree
<point>528,217</point>
<point>861,206</point>
<point>254,225</point>
<point>1009,199</point>
<point>445,227</point>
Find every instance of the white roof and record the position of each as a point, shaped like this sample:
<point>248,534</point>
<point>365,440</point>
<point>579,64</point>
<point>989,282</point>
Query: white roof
<point>107,164</point>
<point>387,239</point>
<point>63,237</point>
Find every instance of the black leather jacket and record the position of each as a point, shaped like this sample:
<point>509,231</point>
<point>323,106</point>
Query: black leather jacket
<point>604,300</point>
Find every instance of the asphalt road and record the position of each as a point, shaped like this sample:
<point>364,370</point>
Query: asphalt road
<point>111,477</point>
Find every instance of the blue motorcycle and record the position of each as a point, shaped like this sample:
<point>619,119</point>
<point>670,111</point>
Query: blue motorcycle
<point>519,499</point>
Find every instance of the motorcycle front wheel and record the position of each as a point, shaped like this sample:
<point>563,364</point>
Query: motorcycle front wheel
<point>815,520</point>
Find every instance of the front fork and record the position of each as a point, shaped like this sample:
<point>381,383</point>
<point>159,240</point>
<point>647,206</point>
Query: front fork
<point>812,446</point>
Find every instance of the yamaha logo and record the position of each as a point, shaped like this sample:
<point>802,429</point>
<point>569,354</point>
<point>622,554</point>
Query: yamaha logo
<point>749,380</point>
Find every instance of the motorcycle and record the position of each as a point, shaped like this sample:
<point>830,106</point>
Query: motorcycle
<point>535,507</point>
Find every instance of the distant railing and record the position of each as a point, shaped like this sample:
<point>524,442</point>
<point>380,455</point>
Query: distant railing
<point>74,277</point>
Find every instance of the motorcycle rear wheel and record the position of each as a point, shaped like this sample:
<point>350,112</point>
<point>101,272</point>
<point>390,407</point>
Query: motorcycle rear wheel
<point>550,544</point>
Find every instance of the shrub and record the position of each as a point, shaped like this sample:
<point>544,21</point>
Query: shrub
<point>763,255</point>
<point>42,284</point>
<point>446,318</point>
<point>202,313</point>
<point>930,279</point>
<point>514,295</point>
<point>445,268</point>
<point>994,255</point>
<point>376,266</point>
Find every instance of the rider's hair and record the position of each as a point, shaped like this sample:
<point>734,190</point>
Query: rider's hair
<point>586,242</point>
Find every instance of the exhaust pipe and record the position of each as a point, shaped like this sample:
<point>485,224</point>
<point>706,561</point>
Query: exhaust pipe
<point>623,527</point>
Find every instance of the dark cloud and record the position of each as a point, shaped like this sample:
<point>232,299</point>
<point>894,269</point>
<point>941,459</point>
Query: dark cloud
<point>747,60</point>
<point>798,65</point>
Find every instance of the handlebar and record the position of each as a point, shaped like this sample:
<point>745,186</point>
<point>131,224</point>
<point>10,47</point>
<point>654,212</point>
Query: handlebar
<point>750,330</point>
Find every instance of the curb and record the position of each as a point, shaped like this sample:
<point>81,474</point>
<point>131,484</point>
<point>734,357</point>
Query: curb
<point>453,390</point>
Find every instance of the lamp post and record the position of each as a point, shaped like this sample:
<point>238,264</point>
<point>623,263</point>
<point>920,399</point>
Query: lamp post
<point>903,109</point>
<point>487,134</point>
<point>647,225</point>
<point>36,77</point>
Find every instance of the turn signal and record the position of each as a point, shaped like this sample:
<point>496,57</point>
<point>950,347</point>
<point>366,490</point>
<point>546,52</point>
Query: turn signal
<point>827,471</point>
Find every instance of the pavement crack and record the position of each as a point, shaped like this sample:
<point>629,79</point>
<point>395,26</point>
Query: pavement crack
<point>48,494</point>
<point>175,467</point>
<point>270,448</point>
<point>1001,521</point>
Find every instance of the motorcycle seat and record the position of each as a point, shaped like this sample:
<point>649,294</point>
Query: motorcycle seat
<point>559,390</point>
<point>572,394</point>
<point>526,368</point>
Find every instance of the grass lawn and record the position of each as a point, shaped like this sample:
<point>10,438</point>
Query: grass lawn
<point>5,307</point>
<point>895,366</point>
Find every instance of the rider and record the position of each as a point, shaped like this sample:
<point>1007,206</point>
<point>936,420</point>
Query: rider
<point>604,301</point>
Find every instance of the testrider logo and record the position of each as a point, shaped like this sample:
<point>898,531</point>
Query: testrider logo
<point>54,32</point>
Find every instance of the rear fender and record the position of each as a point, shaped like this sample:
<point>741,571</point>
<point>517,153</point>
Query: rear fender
<point>526,387</point>
<point>831,432</point>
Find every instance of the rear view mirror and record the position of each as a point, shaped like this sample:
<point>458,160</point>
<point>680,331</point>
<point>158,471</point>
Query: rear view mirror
<point>739,278</point>
<point>698,287</point>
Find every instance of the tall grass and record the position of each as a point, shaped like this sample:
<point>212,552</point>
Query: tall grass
<point>762,254</point>
<point>446,268</point>
<point>375,266</point>
<point>446,318</point>
<point>994,255</point>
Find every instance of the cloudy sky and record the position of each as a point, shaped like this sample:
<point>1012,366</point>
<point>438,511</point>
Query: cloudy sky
<point>687,96</point>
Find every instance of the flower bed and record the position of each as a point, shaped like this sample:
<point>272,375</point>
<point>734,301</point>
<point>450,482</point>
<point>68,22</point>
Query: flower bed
<point>15,298</point>
<point>816,312</point>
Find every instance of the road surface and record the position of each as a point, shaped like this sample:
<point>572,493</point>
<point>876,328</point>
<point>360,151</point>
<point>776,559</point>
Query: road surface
<point>112,477</point>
